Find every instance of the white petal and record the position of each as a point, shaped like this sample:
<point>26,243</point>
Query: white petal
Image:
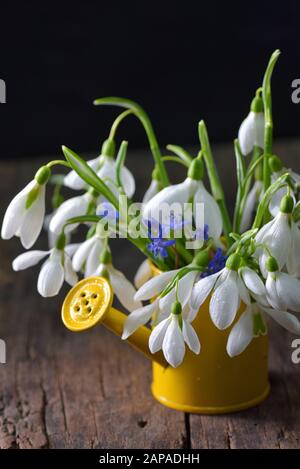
<point>185,286</point>
<point>128,182</point>
<point>152,190</point>
<point>28,259</point>
<point>293,261</point>
<point>243,292</point>
<point>70,275</point>
<point>74,181</point>
<point>178,193</point>
<point>252,281</point>
<point>70,249</point>
<point>279,239</point>
<point>259,120</point>
<point>81,254</point>
<point>74,207</point>
<point>224,304</point>
<point>247,134</point>
<point>33,220</point>
<point>51,275</point>
<point>241,334</point>
<point>155,285</point>
<point>137,318</point>
<point>123,289</point>
<point>274,204</point>
<point>93,258</point>
<point>288,290</point>
<point>201,290</point>
<point>143,274</point>
<point>173,345</point>
<point>15,212</point>
<point>191,337</point>
<point>157,335</point>
<point>272,296</point>
<point>212,214</point>
<point>286,320</point>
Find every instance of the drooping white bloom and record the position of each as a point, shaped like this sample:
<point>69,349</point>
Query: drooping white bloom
<point>180,194</point>
<point>274,205</point>
<point>25,214</point>
<point>143,274</point>
<point>212,213</point>
<point>282,238</point>
<point>252,324</point>
<point>74,207</point>
<point>229,288</point>
<point>105,167</point>
<point>122,287</point>
<point>251,132</point>
<point>152,190</point>
<point>250,204</point>
<point>170,336</point>
<point>87,255</point>
<point>54,271</point>
<point>283,291</point>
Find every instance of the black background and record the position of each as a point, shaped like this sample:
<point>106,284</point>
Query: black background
<point>182,61</point>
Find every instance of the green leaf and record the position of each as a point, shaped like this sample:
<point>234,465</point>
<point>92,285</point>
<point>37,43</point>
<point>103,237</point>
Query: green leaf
<point>181,152</point>
<point>83,219</point>
<point>88,175</point>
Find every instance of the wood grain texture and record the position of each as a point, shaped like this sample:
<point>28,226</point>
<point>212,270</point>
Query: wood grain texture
<point>89,390</point>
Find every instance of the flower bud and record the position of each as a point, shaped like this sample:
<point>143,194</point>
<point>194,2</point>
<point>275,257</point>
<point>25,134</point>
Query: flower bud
<point>233,262</point>
<point>176,308</point>
<point>108,147</point>
<point>257,104</point>
<point>42,175</point>
<point>196,169</point>
<point>271,264</point>
<point>287,204</point>
<point>275,164</point>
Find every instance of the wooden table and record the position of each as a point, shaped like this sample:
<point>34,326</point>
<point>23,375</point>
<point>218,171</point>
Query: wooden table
<point>89,390</point>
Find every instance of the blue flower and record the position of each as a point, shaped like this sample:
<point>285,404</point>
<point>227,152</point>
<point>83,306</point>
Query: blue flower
<point>216,264</point>
<point>158,244</point>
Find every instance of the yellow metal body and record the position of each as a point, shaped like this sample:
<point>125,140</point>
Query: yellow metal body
<point>208,383</point>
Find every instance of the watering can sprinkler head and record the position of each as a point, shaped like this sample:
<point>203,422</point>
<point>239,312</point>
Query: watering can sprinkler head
<point>89,302</point>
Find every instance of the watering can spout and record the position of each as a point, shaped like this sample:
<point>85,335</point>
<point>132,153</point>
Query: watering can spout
<point>89,303</point>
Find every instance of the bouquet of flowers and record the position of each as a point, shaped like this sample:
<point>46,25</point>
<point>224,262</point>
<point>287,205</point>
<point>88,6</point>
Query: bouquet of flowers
<point>184,230</point>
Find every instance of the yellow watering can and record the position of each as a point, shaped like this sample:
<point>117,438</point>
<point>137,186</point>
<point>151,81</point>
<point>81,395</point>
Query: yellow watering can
<point>208,383</point>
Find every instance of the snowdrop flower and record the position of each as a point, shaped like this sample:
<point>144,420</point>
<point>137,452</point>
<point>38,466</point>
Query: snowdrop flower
<point>87,255</point>
<point>171,334</point>
<point>229,287</point>
<point>74,207</point>
<point>123,288</point>
<point>252,324</point>
<point>251,132</point>
<point>282,238</point>
<point>251,200</point>
<point>277,171</point>
<point>160,308</point>
<point>25,214</point>
<point>54,271</point>
<point>143,273</point>
<point>105,167</point>
<point>283,291</point>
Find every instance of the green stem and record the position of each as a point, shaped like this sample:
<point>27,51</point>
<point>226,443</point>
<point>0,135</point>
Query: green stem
<point>176,159</point>
<point>139,112</point>
<point>215,182</point>
<point>58,162</point>
<point>181,152</point>
<point>117,122</point>
<point>120,161</point>
<point>267,99</point>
